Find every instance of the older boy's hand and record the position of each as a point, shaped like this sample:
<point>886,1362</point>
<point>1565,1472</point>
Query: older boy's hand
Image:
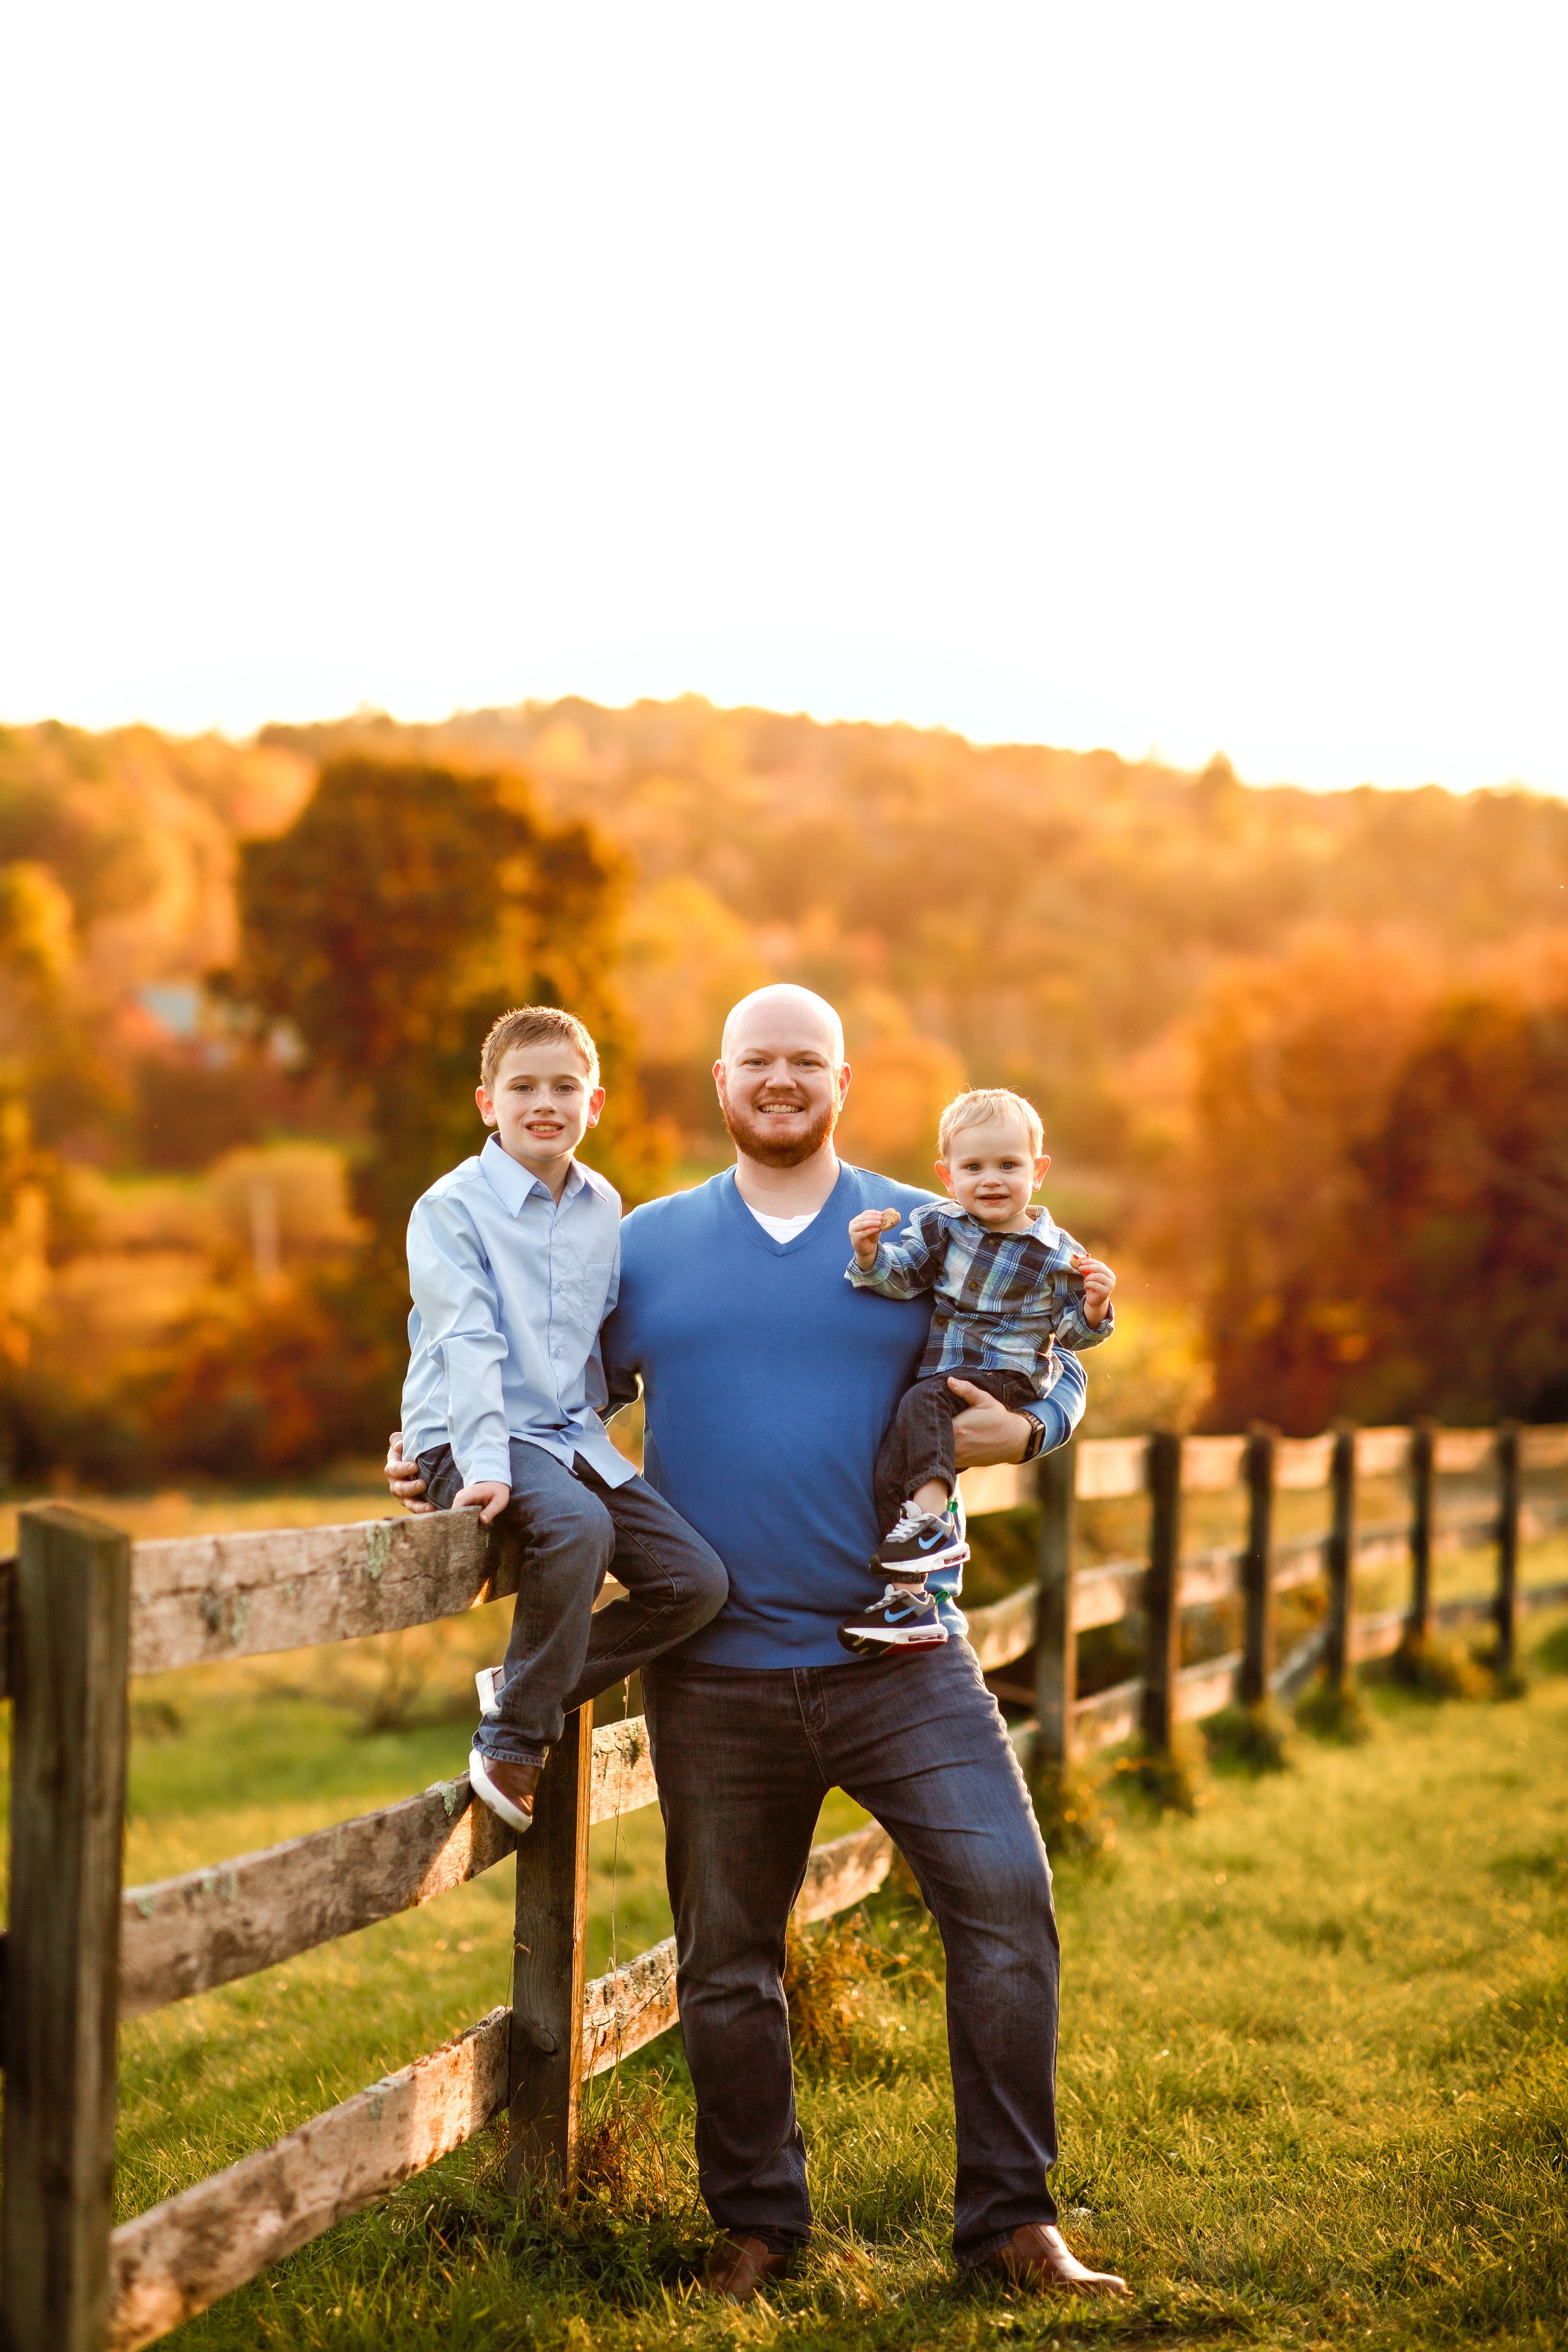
<point>986,1432</point>
<point>1099,1282</point>
<point>865,1231</point>
<point>403,1476</point>
<point>491,1495</point>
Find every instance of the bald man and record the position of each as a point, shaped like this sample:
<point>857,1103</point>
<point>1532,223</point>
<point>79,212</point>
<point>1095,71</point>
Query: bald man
<point>768,1381</point>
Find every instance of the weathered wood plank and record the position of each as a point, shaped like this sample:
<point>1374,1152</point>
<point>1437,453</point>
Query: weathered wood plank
<point>1004,1631</point>
<point>842,1871</point>
<point>1210,1466</point>
<point>1109,1466</point>
<point>1055,1617</point>
<point>1207,1577</point>
<point>1104,1595</point>
<point>1382,1453</point>
<point>632,2005</point>
<point>205,1927</point>
<point>1544,1448</point>
<point>201,1598</point>
<point>1109,1716</point>
<point>1457,1452</point>
<point>68,1813</point>
<point>620,1775</point>
<point>1204,1689</point>
<point>176,2260</point>
<point>550,1918</point>
<point>1000,1487</point>
<point>1302,1463</point>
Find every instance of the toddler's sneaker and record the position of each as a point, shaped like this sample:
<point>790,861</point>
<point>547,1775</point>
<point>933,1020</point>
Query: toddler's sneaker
<point>921,1540</point>
<point>904,1619</point>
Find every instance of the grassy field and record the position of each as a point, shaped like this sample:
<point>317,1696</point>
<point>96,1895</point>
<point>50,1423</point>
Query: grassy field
<point>1314,2067</point>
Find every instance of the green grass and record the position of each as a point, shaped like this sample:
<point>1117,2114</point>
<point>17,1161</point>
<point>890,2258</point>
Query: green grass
<point>1314,2066</point>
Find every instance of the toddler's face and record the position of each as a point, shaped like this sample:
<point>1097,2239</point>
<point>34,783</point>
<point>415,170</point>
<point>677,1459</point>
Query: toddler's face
<point>992,1173</point>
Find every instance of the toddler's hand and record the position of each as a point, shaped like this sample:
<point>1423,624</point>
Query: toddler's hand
<point>490,1496</point>
<point>1099,1282</point>
<point>865,1231</point>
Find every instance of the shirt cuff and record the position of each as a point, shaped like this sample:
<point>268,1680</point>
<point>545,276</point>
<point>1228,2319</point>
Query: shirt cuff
<point>487,1468</point>
<point>866,1277</point>
<point>1054,1421</point>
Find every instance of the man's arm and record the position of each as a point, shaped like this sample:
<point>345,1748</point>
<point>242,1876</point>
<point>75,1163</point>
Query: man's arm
<point>986,1432</point>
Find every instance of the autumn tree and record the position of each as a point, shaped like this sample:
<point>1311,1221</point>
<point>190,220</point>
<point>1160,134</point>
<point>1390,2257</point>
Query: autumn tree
<point>407,905</point>
<point>1468,1171</point>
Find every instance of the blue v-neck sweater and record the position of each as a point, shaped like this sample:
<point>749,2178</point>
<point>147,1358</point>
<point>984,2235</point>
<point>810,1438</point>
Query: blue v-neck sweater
<point>768,1380</point>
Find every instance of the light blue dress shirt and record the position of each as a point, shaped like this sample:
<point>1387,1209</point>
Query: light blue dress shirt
<point>510,1289</point>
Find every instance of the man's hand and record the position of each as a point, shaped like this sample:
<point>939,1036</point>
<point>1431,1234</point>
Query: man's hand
<point>986,1432</point>
<point>865,1231</point>
<point>403,1476</point>
<point>1099,1282</point>
<point>491,1495</point>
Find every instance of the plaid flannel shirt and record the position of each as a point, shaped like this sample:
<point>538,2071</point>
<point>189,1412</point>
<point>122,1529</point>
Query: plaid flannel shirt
<point>1000,1301</point>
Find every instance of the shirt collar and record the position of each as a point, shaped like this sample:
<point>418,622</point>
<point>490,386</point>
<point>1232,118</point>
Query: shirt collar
<point>511,1184</point>
<point>1044,1229</point>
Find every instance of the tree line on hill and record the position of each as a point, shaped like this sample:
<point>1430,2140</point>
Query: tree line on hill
<point>1302,1056</point>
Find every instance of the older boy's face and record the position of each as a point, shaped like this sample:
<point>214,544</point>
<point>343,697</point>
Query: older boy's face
<point>991,1171</point>
<point>541,1105</point>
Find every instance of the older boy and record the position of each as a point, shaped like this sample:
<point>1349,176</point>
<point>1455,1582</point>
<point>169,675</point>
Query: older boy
<point>514,1261</point>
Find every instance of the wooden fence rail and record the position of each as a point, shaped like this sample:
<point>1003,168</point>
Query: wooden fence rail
<point>81,1609</point>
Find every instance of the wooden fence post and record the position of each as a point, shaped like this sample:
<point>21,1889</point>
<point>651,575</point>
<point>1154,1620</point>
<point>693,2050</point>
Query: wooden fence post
<point>1423,1478</point>
<point>545,2072</point>
<point>70,1645</point>
<point>1161,1595</point>
<point>1258,1568</point>
<point>1056,1637</point>
<point>1507,1546</point>
<point>1341,1555</point>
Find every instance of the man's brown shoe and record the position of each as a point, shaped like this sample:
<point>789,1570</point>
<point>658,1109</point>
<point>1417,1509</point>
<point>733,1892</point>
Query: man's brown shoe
<point>1038,2256</point>
<point>507,1789</point>
<point>738,2266</point>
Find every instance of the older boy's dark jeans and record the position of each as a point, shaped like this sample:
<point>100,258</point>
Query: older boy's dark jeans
<point>744,1759</point>
<point>562,1652</point>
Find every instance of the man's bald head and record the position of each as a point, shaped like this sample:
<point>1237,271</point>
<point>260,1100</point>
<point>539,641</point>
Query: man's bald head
<point>782,1012</point>
<point>781,1075</point>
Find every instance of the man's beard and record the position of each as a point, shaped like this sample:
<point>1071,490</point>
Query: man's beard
<point>756,1138</point>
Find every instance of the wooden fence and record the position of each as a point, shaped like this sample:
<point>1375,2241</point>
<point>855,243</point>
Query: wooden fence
<point>86,1608</point>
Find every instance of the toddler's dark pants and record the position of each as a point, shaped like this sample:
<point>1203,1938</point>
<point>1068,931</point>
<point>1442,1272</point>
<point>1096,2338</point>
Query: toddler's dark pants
<point>919,1441</point>
<point>563,1651</point>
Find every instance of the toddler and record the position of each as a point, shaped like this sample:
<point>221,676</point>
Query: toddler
<point>1008,1286</point>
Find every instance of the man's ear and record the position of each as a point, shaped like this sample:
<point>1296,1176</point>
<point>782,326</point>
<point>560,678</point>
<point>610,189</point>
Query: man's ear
<point>845,1075</point>
<point>487,1103</point>
<point>596,1105</point>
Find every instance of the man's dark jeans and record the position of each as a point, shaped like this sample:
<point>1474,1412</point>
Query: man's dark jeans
<point>562,1652</point>
<point>745,1758</point>
<point>919,1443</point>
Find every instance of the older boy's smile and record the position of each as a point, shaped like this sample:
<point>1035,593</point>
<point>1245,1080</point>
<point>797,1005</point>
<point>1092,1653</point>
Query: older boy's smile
<point>542,1103</point>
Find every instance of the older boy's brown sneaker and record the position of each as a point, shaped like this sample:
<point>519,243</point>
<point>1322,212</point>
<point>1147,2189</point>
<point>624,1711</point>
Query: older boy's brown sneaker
<point>1038,2256</point>
<point>738,2266</point>
<point>507,1789</point>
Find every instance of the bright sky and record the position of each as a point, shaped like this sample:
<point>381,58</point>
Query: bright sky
<point>1177,376</point>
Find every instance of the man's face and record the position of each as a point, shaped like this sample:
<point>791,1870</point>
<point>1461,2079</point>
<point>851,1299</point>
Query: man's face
<point>778,1086</point>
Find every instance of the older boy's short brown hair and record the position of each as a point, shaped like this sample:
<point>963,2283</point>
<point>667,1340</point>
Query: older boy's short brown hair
<point>987,1106</point>
<point>529,1025</point>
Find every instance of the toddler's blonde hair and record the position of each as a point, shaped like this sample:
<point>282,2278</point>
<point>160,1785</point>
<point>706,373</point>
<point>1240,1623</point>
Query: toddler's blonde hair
<point>989,1107</point>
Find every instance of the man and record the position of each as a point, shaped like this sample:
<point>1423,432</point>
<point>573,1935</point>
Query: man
<point>768,1380</point>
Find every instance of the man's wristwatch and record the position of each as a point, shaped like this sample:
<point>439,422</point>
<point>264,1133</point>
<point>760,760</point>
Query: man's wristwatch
<point>1036,1444</point>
